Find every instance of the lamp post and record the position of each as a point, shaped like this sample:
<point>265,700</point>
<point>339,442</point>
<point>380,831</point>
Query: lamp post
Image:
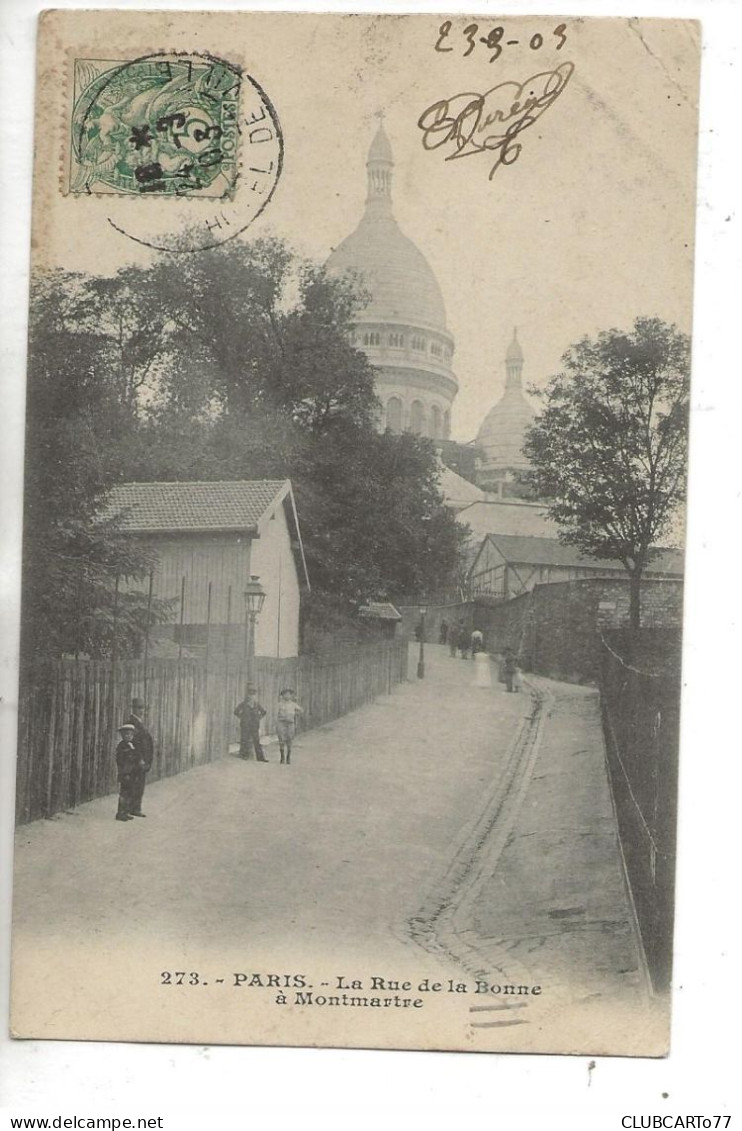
<point>254,601</point>
<point>421,658</point>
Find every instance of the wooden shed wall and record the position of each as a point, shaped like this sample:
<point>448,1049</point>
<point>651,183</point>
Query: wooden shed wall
<point>222,559</point>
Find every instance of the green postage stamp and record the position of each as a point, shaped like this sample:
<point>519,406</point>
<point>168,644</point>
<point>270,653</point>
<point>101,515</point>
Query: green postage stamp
<point>164,124</point>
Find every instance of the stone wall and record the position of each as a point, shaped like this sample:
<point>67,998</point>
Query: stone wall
<point>451,614</point>
<point>556,628</point>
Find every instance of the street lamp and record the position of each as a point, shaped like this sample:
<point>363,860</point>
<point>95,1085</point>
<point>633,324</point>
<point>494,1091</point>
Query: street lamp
<point>421,658</point>
<point>254,601</point>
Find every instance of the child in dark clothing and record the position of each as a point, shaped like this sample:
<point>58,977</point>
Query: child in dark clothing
<point>129,765</point>
<point>250,712</point>
<point>509,668</point>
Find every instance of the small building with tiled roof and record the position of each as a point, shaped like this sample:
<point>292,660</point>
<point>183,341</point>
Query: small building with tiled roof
<point>210,538</point>
<point>381,610</point>
<point>381,616</point>
<point>506,566</point>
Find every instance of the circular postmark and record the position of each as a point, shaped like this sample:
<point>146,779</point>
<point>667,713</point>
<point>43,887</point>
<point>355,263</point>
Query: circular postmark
<point>186,148</point>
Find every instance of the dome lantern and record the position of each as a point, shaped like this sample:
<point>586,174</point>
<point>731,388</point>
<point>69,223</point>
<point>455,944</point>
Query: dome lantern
<point>379,168</point>
<point>513,363</point>
<point>402,328</point>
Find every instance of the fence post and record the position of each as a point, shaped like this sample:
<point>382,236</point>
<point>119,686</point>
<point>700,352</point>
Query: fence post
<point>146,632</point>
<point>182,613</point>
<point>227,625</point>
<point>208,624</point>
<point>51,745</point>
<point>115,641</point>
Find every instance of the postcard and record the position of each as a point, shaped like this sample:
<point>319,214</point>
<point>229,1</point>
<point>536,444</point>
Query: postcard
<point>356,461</point>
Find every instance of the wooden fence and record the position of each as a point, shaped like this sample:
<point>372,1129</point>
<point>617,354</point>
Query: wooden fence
<point>69,712</point>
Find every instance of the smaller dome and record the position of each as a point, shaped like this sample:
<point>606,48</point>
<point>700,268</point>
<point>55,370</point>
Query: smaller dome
<point>501,435</point>
<point>380,149</point>
<point>500,438</point>
<point>514,352</point>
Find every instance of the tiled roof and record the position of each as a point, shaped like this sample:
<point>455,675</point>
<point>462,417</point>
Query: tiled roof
<point>549,551</point>
<point>172,507</point>
<point>383,610</point>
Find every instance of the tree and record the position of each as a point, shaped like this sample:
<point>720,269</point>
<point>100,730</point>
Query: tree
<point>130,334</point>
<point>79,420</point>
<point>233,364</point>
<point>253,331</point>
<point>260,380</point>
<point>609,448</point>
<point>373,517</point>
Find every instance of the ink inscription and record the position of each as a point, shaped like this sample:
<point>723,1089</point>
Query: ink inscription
<point>491,123</point>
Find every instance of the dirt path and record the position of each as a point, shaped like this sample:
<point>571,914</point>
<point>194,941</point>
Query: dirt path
<point>322,865</point>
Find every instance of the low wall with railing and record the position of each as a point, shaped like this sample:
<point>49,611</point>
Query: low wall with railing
<point>555,628</point>
<point>69,712</point>
<point>640,700</point>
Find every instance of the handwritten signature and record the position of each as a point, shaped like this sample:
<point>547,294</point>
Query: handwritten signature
<point>491,122</point>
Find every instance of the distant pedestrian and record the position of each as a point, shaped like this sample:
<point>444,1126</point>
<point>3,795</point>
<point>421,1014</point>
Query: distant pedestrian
<point>477,642</point>
<point>288,709</point>
<point>509,668</point>
<point>483,676</point>
<point>250,712</point>
<point>145,748</point>
<point>443,633</point>
<point>453,640</point>
<point>464,640</point>
<point>129,764</point>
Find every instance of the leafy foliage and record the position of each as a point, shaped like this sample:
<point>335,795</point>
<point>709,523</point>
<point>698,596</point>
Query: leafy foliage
<point>77,418</point>
<point>609,448</point>
<point>373,517</point>
<point>233,364</point>
<point>251,331</point>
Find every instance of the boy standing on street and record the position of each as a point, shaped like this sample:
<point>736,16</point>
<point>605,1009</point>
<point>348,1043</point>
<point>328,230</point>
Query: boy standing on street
<point>250,712</point>
<point>509,668</point>
<point>129,764</point>
<point>288,709</point>
<point>146,749</point>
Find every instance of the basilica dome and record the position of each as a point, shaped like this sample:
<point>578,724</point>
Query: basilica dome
<point>397,275</point>
<point>402,329</point>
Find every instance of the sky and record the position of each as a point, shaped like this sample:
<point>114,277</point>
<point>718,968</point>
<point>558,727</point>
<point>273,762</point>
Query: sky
<point>590,227</point>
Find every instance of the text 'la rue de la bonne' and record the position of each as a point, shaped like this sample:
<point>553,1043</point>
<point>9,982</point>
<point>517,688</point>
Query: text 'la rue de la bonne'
<point>378,984</point>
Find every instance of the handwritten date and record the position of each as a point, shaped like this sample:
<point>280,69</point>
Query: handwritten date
<point>494,40</point>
